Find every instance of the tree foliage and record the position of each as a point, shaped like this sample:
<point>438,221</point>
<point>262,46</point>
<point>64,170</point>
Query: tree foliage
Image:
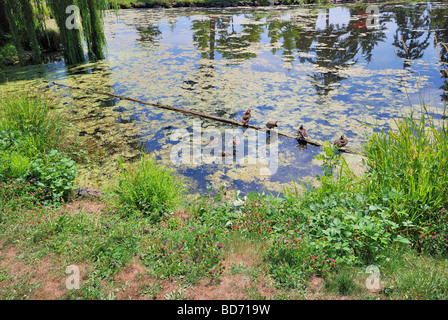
<point>26,24</point>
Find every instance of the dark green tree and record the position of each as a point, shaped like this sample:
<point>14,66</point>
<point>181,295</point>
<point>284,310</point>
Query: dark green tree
<point>26,24</point>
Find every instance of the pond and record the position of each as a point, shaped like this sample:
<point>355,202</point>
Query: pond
<point>329,68</point>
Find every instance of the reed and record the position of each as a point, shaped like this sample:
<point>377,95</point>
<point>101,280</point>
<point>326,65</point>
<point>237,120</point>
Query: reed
<point>32,121</point>
<point>411,163</point>
<point>147,187</point>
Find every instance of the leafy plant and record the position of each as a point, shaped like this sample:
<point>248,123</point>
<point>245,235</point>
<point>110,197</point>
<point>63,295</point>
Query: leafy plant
<point>148,187</point>
<point>56,173</point>
<point>412,162</point>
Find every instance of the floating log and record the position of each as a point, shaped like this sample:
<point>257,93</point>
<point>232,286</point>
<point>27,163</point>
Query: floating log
<point>203,115</point>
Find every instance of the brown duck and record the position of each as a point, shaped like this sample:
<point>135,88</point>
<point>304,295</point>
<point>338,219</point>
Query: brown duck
<point>236,141</point>
<point>246,117</point>
<point>302,133</point>
<point>225,153</point>
<point>341,142</point>
<point>212,142</point>
<point>271,124</point>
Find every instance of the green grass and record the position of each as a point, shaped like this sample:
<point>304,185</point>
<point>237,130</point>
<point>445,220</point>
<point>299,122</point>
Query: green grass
<point>410,162</point>
<point>392,217</point>
<point>147,187</point>
<point>29,123</point>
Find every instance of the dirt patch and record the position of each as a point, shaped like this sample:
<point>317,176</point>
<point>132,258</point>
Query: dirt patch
<point>91,206</point>
<point>45,272</point>
<point>243,252</point>
<point>230,287</point>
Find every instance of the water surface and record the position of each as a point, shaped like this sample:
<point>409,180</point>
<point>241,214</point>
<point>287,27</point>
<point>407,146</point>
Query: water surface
<point>322,67</point>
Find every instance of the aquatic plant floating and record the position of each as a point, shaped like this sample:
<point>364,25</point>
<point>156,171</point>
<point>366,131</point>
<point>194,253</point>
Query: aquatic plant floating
<point>204,115</point>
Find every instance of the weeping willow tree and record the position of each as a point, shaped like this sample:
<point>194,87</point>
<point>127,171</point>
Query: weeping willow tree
<point>22,25</point>
<point>91,13</point>
<point>27,24</point>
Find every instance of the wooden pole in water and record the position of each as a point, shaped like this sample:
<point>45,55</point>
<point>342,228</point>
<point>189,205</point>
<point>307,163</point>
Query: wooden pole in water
<point>204,115</point>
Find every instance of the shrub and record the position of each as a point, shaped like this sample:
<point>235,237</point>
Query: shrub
<point>412,163</point>
<point>18,165</point>
<point>148,187</point>
<point>30,122</point>
<point>51,40</point>
<point>7,52</point>
<point>55,172</point>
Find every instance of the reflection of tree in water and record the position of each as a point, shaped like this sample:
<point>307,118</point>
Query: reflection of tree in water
<point>439,23</point>
<point>202,34</point>
<point>337,45</point>
<point>149,33</point>
<point>413,24</point>
<point>373,36</point>
<point>291,36</point>
<point>147,28</point>
<point>235,46</point>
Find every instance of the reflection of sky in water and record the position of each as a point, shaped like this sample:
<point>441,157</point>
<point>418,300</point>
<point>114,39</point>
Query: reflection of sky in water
<point>290,65</point>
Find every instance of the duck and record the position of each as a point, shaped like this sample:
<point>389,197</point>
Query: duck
<point>302,133</point>
<point>341,142</point>
<point>225,153</point>
<point>212,142</point>
<point>271,124</point>
<point>236,141</point>
<point>246,117</point>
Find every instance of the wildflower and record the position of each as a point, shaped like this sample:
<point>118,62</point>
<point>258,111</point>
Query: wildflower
<point>290,277</point>
<point>115,263</point>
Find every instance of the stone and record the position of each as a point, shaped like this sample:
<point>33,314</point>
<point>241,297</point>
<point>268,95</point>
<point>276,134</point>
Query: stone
<point>139,5</point>
<point>88,192</point>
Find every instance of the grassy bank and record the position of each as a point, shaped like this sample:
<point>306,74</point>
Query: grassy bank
<point>141,240</point>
